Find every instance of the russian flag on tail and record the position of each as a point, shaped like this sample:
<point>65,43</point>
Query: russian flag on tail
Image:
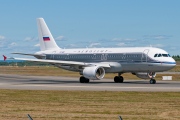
<point>46,38</point>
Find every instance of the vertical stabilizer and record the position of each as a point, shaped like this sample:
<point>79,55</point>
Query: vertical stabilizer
<point>47,41</point>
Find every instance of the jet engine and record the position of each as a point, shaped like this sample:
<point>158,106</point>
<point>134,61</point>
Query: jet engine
<point>145,75</point>
<point>94,73</point>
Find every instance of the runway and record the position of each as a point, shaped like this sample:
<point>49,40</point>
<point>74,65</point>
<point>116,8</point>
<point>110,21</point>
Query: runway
<point>21,82</point>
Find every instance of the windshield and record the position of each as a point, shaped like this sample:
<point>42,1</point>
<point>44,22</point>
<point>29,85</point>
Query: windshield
<point>161,55</point>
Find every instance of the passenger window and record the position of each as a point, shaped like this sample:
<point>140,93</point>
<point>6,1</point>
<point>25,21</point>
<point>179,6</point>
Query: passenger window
<point>159,55</point>
<point>169,55</point>
<point>155,55</point>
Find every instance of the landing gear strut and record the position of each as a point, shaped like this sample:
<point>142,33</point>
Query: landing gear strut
<point>152,75</point>
<point>82,79</point>
<point>152,81</point>
<point>118,79</point>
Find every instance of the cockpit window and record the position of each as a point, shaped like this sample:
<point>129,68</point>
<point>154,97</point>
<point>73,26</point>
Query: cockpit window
<point>162,55</point>
<point>155,55</point>
<point>159,55</point>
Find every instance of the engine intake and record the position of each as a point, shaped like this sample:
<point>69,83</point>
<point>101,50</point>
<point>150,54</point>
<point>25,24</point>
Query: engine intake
<point>94,73</point>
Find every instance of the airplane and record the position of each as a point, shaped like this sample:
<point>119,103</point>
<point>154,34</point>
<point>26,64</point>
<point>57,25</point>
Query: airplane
<point>94,63</point>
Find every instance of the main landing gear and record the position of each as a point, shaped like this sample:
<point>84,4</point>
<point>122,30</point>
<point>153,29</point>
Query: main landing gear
<point>82,79</point>
<point>118,79</point>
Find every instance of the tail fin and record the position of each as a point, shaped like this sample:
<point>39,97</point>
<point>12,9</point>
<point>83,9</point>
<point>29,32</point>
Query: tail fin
<point>47,41</point>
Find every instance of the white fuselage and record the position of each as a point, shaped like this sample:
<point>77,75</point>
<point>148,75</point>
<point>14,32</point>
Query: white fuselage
<point>140,59</point>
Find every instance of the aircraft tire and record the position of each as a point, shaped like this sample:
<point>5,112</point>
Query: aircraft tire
<point>152,81</point>
<point>118,79</point>
<point>82,79</point>
<point>87,80</point>
<point>121,79</point>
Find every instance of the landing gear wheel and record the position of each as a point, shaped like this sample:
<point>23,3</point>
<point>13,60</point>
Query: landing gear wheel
<point>121,79</point>
<point>152,81</point>
<point>83,80</point>
<point>118,79</point>
<point>87,80</point>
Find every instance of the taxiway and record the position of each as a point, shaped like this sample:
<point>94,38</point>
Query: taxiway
<point>70,83</point>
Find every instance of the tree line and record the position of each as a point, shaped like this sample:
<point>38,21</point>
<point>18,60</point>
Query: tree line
<point>176,57</point>
<point>22,63</point>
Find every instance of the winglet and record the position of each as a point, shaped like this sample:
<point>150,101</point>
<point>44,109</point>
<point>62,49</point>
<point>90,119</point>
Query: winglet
<point>4,57</point>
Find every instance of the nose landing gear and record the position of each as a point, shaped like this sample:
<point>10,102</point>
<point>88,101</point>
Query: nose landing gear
<point>152,81</point>
<point>151,76</point>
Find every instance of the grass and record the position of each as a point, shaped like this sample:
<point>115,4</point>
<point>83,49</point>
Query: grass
<point>54,71</point>
<point>78,105</point>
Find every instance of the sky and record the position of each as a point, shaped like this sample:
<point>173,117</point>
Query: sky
<point>90,24</point>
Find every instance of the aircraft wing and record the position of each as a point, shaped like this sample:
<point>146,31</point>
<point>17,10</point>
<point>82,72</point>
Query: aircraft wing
<point>35,55</point>
<point>61,62</point>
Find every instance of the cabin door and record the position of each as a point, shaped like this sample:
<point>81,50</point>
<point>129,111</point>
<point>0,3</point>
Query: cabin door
<point>145,55</point>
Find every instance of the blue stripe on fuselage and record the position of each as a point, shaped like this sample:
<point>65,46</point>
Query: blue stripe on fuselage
<point>164,62</point>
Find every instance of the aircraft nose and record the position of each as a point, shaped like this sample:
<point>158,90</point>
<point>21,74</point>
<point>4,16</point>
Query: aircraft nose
<point>173,62</point>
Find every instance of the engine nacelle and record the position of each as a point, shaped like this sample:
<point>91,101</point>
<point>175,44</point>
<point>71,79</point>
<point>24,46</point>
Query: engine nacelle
<point>94,73</point>
<point>146,75</point>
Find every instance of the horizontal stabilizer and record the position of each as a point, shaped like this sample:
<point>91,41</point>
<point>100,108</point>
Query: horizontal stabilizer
<point>4,57</point>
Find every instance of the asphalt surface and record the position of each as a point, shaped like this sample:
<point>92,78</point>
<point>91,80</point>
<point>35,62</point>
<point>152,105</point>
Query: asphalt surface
<point>70,83</point>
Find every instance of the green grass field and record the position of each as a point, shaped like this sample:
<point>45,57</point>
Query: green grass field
<point>84,105</point>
